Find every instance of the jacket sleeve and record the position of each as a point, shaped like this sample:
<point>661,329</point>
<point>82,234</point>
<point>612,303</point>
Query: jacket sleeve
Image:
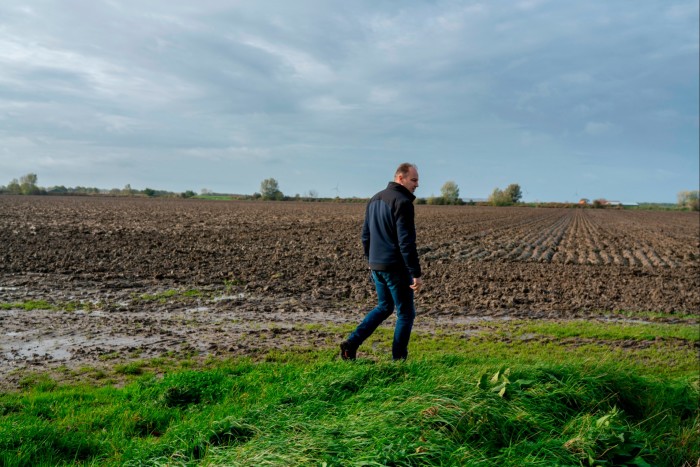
<point>406,235</point>
<point>365,234</point>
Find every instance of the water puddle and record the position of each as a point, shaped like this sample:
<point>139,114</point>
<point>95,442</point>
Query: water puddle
<point>226,298</point>
<point>54,349</point>
<point>14,334</point>
<point>63,348</point>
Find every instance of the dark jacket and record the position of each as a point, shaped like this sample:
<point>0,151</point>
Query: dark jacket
<point>389,231</point>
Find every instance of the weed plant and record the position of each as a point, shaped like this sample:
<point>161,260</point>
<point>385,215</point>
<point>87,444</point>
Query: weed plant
<point>456,402</point>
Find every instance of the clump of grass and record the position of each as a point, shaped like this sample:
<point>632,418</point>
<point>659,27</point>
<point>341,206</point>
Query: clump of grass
<point>109,356</point>
<point>192,293</point>
<point>37,381</point>
<point>131,368</point>
<point>160,296</point>
<point>28,305</point>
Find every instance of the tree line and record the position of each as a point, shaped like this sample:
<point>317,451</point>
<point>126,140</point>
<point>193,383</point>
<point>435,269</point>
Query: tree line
<point>270,191</point>
<point>27,185</point>
<point>449,194</point>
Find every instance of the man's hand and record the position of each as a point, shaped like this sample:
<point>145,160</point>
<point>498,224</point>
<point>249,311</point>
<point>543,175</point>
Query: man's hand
<point>417,284</point>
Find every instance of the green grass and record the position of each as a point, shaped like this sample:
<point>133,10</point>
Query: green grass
<point>650,315</point>
<point>214,197</point>
<point>610,331</point>
<point>160,296</point>
<point>165,296</point>
<point>28,305</point>
<point>486,399</point>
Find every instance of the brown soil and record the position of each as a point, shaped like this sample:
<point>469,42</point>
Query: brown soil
<point>263,271</point>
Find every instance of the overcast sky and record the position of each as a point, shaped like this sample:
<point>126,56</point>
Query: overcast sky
<point>569,99</point>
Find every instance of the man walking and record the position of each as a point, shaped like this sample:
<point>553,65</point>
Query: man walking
<point>389,241</point>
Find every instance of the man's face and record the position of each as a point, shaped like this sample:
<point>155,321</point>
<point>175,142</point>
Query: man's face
<point>410,180</point>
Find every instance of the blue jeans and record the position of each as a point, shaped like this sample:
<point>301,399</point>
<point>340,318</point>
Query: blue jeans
<point>393,290</point>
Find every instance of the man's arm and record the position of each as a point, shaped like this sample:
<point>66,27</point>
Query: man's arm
<point>365,234</point>
<point>406,234</point>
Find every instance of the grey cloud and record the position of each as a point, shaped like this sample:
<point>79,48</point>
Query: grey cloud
<point>323,81</point>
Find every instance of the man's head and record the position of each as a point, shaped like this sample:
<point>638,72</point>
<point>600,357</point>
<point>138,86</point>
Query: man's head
<point>407,175</point>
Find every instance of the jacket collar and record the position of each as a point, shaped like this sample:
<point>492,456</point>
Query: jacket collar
<point>402,189</point>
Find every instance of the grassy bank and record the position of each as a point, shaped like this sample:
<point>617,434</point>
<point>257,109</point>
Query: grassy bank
<point>511,396</point>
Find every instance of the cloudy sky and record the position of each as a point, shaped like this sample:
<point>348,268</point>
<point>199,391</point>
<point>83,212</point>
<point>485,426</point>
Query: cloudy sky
<point>568,99</point>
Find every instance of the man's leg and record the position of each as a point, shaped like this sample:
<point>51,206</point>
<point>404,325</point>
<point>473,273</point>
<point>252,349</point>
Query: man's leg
<point>384,309</point>
<point>402,294</point>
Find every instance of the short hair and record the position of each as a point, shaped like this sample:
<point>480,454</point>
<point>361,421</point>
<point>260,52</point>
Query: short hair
<point>404,168</point>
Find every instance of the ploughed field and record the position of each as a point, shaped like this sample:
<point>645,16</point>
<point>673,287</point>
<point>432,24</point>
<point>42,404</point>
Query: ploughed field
<point>142,277</point>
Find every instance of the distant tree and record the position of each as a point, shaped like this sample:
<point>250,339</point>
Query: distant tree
<point>150,192</point>
<point>511,195</point>
<point>450,193</point>
<point>270,190</point>
<point>87,190</point>
<point>514,192</point>
<point>312,194</point>
<point>58,190</point>
<point>188,194</point>
<point>14,187</point>
<point>127,190</point>
<point>500,198</point>
<point>689,199</point>
<point>28,185</point>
